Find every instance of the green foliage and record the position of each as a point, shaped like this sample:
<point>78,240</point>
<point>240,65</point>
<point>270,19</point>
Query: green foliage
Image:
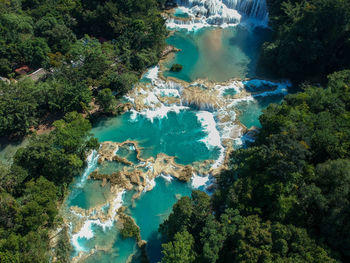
<point>25,102</point>
<point>180,250</point>
<point>312,37</point>
<point>298,166</point>
<point>257,241</point>
<point>57,156</point>
<point>18,107</point>
<point>130,229</point>
<point>106,100</point>
<point>63,247</point>
<point>87,55</point>
<point>63,96</point>
<point>285,198</point>
<point>121,83</point>
<point>38,205</point>
<point>187,214</point>
<point>176,68</point>
<point>85,44</point>
<point>32,187</point>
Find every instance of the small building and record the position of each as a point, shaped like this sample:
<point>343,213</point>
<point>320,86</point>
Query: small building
<point>38,74</point>
<point>22,70</point>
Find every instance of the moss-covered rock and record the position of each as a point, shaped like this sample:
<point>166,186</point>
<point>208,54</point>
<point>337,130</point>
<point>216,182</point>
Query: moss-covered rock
<point>176,68</point>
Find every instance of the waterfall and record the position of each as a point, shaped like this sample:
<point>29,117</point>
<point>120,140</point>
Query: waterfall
<point>251,8</point>
<point>218,12</point>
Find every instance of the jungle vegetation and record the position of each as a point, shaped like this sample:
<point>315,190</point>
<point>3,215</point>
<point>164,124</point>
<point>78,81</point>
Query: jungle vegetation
<point>285,198</point>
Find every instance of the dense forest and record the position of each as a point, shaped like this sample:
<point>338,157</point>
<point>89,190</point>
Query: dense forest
<point>91,51</point>
<point>286,197</point>
<point>86,46</point>
<point>311,38</point>
<point>34,184</point>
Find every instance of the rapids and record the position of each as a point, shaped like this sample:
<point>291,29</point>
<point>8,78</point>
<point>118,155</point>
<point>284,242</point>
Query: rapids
<point>201,13</point>
<point>180,126</point>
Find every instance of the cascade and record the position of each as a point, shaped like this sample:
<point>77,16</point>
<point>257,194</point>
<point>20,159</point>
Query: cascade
<point>219,12</point>
<point>251,8</point>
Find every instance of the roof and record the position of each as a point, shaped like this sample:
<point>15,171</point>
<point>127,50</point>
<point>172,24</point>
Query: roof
<point>38,74</point>
<point>22,70</point>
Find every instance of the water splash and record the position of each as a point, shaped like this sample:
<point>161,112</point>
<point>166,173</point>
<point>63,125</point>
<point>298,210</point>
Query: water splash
<point>91,166</point>
<point>86,232</point>
<point>256,9</point>
<point>203,13</point>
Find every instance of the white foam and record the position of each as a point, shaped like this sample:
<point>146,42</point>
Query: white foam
<point>209,125</point>
<point>236,85</point>
<point>132,100</point>
<point>219,13</point>
<point>160,112</point>
<point>168,93</point>
<point>152,73</point>
<point>199,181</point>
<point>86,231</point>
<point>166,177</point>
<point>220,159</point>
<point>151,99</point>
<point>132,147</point>
<point>150,184</point>
<point>91,165</point>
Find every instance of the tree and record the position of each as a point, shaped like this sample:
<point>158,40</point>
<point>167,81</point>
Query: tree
<point>86,54</point>
<point>106,100</point>
<point>18,107</point>
<point>179,219</point>
<point>304,44</point>
<point>59,36</point>
<point>212,238</point>
<point>38,206</point>
<point>180,250</point>
<point>176,68</point>
<point>35,52</point>
<point>63,97</point>
<point>60,155</point>
<point>257,241</point>
<point>122,83</point>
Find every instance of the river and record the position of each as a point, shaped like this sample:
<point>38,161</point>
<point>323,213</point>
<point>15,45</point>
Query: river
<point>180,121</point>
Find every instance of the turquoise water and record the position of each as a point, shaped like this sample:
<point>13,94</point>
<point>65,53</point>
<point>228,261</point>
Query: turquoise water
<point>118,250</point>
<point>230,92</point>
<point>250,111</point>
<point>91,195</point>
<point>176,135</point>
<point>180,13</point>
<point>153,208</point>
<point>213,53</point>
<point>149,211</point>
<point>217,54</point>
<point>128,152</point>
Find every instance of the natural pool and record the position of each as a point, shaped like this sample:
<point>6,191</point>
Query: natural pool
<point>218,54</point>
<point>147,213</point>
<point>187,134</point>
<point>191,129</point>
<point>177,134</point>
<point>250,111</point>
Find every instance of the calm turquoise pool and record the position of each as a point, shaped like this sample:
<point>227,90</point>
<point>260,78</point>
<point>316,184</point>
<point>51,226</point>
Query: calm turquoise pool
<point>217,54</point>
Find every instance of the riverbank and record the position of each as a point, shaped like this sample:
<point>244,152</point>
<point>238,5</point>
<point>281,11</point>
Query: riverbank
<point>175,129</point>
